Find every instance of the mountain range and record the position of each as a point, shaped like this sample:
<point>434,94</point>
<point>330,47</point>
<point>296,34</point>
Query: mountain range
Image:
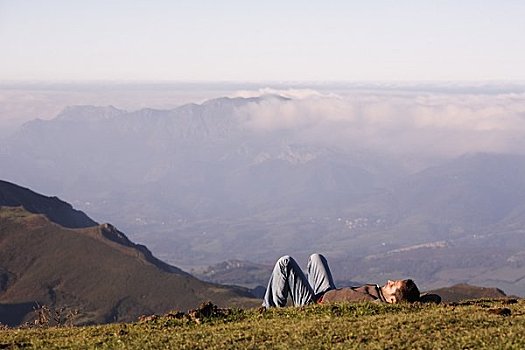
<point>92,273</point>
<point>55,256</point>
<point>199,185</point>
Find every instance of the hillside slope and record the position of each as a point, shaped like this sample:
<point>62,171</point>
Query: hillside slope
<point>84,270</point>
<point>56,210</point>
<point>95,270</point>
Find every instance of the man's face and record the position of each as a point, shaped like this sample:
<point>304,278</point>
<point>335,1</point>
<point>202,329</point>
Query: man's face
<point>390,288</point>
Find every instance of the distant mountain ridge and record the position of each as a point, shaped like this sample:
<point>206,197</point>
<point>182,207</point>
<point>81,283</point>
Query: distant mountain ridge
<point>88,113</point>
<point>199,185</point>
<point>95,270</point>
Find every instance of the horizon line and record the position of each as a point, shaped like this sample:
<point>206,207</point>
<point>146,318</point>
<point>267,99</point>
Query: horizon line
<point>232,81</point>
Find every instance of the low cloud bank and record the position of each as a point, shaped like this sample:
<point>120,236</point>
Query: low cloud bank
<point>394,122</point>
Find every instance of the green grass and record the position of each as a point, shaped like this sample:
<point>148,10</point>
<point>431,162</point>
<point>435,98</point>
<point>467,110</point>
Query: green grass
<point>469,325</point>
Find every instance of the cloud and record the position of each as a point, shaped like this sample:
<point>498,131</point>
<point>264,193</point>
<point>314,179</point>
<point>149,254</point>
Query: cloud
<point>434,124</point>
<point>288,93</point>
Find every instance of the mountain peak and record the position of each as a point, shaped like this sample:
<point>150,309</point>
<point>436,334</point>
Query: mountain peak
<point>56,210</point>
<point>239,101</point>
<point>88,113</point>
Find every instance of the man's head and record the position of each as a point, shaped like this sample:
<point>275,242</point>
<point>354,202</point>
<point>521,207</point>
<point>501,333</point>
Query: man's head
<point>400,291</point>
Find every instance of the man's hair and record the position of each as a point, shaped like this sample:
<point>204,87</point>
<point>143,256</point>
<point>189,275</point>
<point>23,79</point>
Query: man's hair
<point>408,292</point>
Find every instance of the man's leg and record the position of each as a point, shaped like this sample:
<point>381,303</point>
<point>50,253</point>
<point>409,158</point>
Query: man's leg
<point>319,275</point>
<point>287,277</point>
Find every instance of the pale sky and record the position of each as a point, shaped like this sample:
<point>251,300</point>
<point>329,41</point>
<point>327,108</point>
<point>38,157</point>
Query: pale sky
<point>244,40</point>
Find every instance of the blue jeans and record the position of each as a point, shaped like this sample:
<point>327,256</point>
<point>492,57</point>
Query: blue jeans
<point>288,279</point>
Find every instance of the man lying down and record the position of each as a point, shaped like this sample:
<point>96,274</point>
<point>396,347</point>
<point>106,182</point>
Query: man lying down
<point>318,286</point>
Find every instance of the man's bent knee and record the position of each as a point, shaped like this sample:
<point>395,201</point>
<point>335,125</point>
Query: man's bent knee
<point>284,260</point>
<point>317,257</point>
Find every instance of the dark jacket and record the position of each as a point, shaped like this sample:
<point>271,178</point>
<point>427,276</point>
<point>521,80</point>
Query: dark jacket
<point>368,292</point>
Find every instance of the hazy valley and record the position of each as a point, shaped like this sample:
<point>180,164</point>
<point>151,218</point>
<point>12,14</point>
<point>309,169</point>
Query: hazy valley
<point>253,178</point>
<point>59,267</point>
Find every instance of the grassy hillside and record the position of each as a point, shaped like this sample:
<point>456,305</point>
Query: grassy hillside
<point>481,324</point>
<point>93,271</point>
<point>54,209</point>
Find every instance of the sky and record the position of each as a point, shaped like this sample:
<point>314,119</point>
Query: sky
<point>244,40</point>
